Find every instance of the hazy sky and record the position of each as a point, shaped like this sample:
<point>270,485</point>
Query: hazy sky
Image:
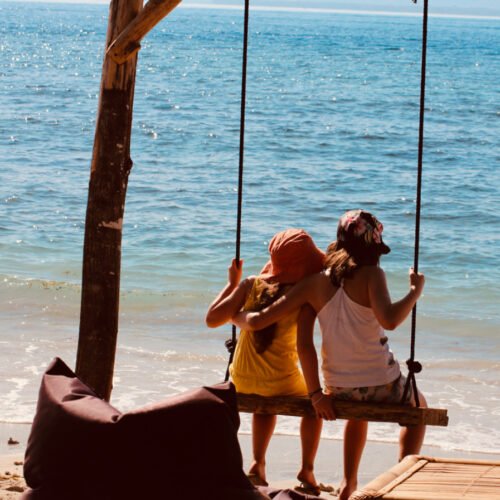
<point>459,7</point>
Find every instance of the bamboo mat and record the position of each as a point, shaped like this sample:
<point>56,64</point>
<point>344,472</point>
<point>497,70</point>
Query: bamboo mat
<point>426,478</point>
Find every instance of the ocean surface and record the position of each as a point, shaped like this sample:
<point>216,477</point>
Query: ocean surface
<point>332,124</point>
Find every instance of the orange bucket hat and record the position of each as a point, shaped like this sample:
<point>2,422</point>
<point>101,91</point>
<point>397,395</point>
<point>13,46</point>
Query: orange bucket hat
<point>293,257</point>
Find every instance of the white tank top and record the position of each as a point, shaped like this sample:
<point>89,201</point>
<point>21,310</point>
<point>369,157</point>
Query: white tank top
<point>355,351</point>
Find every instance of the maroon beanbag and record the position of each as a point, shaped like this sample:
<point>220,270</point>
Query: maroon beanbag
<point>81,448</point>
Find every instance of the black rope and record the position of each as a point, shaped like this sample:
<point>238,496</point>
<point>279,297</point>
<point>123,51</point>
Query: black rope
<point>414,366</point>
<point>231,343</point>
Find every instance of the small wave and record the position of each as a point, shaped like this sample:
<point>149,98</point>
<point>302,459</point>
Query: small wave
<point>16,422</point>
<point>11,199</point>
<point>173,355</point>
<point>374,137</point>
<point>37,86</point>
<point>34,283</point>
<point>290,429</point>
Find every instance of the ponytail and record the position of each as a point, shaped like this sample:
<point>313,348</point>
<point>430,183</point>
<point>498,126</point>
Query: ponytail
<point>340,263</point>
<point>343,262</point>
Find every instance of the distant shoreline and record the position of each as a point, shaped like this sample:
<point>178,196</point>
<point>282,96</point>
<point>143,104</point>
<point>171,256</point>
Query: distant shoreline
<point>318,10</point>
<point>20,432</point>
<point>271,8</point>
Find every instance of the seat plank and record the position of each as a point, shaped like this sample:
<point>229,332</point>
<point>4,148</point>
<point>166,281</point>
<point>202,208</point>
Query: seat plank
<point>351,410</point>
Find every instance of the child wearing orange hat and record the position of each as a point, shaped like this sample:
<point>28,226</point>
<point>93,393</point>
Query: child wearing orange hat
<point>266,361</point>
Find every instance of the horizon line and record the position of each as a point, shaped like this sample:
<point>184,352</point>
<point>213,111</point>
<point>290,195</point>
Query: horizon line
<point>275,8</point>
<point>325,10</point>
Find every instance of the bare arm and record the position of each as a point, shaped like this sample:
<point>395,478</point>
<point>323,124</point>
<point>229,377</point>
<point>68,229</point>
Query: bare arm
<point>309,362</point>
<point>287,303</point>
<point>231,298</point>
<point>391,314</point>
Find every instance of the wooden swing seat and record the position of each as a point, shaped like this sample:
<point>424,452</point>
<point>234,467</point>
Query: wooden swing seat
<point>350,410</point>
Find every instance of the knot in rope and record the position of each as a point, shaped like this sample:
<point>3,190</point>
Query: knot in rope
<point>413,366</point>
<point>230,345</point>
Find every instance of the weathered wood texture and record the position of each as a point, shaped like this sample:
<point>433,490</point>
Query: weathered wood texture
<point>128,41</point>
<point>110,168</point>
<point>419,477</point>
<point>298,407</point>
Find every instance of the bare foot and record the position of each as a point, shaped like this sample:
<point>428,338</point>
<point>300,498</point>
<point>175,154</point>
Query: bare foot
<point>346,489</point>
<point>307,477</point>
<point>257,474</point>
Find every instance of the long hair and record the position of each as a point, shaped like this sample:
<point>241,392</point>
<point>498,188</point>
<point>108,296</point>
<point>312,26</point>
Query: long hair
<point>343,263</point>
<point>359,243</point>
<point>267,293</point>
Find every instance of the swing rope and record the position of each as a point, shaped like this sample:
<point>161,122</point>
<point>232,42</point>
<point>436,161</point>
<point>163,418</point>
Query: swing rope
<point>231,343</point>
<point>414,366</point>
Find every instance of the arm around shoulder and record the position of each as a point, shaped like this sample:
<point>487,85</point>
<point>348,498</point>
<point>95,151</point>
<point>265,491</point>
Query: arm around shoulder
<point>288,302</point>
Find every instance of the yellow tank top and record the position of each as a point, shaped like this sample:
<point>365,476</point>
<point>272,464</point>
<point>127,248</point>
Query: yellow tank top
<point>274,372</point>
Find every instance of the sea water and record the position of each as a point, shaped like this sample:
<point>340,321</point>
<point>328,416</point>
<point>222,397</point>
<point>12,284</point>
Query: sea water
<point>332,124</point>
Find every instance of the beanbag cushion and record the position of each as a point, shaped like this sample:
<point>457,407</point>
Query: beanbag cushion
<point>81,447</point>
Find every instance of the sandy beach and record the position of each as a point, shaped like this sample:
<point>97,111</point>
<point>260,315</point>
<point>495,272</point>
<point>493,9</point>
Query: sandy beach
<point>12,483</point>
<point>283,460</point>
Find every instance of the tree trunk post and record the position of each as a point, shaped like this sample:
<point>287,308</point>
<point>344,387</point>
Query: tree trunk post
<point>110,168</point>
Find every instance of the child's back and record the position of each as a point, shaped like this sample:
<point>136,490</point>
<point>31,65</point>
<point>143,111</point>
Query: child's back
<point>265,361</point>
<point>354,348</point>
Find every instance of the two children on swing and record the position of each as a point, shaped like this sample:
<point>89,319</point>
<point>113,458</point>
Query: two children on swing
<point>351,300</point>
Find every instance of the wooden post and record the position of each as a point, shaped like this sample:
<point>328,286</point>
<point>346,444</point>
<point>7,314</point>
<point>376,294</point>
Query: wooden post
<point>110,169</point>
<point>111,165</point>
<point>128,41</point>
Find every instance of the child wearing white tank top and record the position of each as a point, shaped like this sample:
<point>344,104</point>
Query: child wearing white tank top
<point>354,308</point>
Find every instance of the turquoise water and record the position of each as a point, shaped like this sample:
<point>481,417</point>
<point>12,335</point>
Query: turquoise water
<point>332,123</point>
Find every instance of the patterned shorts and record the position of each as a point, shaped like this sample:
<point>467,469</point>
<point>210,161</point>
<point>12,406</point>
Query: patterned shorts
<point>387,393</point>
